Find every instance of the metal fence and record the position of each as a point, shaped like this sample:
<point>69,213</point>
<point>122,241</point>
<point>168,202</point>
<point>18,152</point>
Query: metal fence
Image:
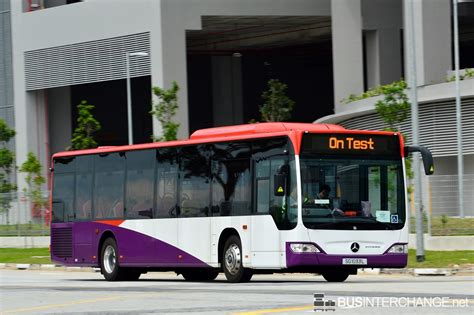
<point>444,192</point>
<point>442,205</point>
<point>22,214</point>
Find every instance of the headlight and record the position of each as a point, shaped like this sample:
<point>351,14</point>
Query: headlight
<point>398,249</point>
<point>300,248</point>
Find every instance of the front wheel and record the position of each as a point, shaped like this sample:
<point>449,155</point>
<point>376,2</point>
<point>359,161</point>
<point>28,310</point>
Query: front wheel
<point>232,261</point>
<point>335,276</point>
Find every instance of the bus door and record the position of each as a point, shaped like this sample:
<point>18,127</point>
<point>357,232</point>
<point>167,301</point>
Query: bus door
<point>268,214</point>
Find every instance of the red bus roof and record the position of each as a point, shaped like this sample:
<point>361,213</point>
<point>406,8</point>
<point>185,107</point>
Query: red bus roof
<point>228,133</point>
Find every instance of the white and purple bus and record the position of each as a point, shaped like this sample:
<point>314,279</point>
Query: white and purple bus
<point>257,198</point>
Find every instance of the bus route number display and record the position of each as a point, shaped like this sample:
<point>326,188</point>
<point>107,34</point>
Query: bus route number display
<point>358,144</point>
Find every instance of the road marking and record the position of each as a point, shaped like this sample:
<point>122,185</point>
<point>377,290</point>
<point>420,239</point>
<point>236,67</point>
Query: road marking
<point>277,310</point>
<point>50,306</point>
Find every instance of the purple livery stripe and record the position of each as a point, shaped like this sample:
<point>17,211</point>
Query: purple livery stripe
<point>135,249</point>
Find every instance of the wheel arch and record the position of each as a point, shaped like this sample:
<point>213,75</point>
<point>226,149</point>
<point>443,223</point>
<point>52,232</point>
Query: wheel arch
<point>102,239</point>
<point>225,234</point>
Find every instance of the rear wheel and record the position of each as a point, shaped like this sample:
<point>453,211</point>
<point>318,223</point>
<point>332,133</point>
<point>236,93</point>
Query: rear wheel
<point>200,274</point>
<point>335,276</point>
<point>232,261</point>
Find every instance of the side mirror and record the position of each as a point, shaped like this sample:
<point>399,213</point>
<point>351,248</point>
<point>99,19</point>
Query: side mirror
<point>279,187</point>
<point>425,154</point>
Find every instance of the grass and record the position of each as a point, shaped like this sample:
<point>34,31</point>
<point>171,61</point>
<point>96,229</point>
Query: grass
<point>25,255</point>
<point>441,259</point>
<point>453,226</point>
<point>32,229</point>
<point>434,259</point>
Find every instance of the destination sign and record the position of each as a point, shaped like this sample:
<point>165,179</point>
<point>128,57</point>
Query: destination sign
<point>356,144</point>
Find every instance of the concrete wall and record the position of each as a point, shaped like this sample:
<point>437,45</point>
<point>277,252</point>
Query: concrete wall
<point>167,22</point>
<point>24,242</point>
<point>62,25</point>
<point>59,109</point>
<point>444,242</point>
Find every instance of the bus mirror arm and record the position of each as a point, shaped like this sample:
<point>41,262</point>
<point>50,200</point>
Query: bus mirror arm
<point>426,155</point>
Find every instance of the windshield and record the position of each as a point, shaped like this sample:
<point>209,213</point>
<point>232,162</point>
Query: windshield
<point>352,193</point>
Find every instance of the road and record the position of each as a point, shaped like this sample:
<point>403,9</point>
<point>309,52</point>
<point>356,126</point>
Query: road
<point>79,292</point>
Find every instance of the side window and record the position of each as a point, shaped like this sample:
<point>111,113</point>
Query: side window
<point>63,197</point>
<point>194,182</point>
<point>166,183</point>
<point>262,177</point>
<point>63,190</point>
<point>140,180</point>
<point>84,175</point>
<point>270,146</point>
<point>109,186</point>
<point>276,202</point>
<point>231,187</point>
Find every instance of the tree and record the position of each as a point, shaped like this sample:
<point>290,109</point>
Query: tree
<point>34,179</point>
<point>87,125</point>
<point>165,109</point>
<point>277,106</point>
<point>394,109</point>
<point>7,159</point>
<point>395,106</point>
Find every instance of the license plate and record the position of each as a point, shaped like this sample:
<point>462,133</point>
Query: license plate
<point>354,261</point>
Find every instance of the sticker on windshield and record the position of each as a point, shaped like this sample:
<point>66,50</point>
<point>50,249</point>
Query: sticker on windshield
<point>394,218</point>
<point>321,201</point>
<point>382,216</point>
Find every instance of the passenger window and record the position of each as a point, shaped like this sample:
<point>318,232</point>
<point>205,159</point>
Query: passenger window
<point>63,189</point>
<point>194,182</point>
<point>166,183</point>
<point>231,187</point>
<point>63,197</point>
<point>109,186</point>
<point>140,177</point>
<point>84,172</point>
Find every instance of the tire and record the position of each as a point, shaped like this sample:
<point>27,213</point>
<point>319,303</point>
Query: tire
<point>110,267</point>
<point>200,274</point>
<point>130,274</point>
<point>232,261</point>
<point>335,276</point>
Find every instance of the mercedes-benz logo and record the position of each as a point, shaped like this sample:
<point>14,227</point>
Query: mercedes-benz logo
<point>355,247</point>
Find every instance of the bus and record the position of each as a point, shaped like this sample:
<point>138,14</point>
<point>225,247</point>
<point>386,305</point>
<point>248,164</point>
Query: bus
<point>242,200</point>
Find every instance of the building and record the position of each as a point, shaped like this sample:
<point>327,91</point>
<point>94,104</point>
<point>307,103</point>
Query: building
<point>55,53</point>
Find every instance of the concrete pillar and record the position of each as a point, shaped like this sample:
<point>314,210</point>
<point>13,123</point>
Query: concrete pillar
<point>60,124</point>
<point>171,44</point>
<point>433,40</point>
<point>347,49</point>
<point>382,23</point>
<point>22,100</point>
<point>227,90</point>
